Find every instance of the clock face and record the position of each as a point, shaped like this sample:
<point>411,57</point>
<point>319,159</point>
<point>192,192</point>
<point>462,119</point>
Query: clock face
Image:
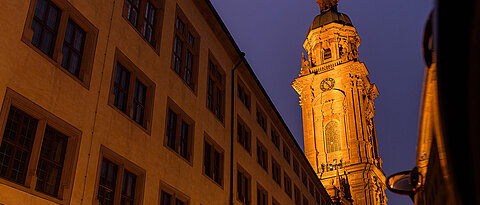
<point>327,84</point>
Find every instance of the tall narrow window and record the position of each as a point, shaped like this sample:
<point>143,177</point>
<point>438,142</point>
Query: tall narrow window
<point>213,161</point>
<point>304,179</point>
<point>262,196</point>
<point>286,152</point>
<point>185,50</point>
<point>275,137</point>
<point>50,164</point>
<point>243,95</point>
<point>215,90</point>
<point>143,16</point>
<point>119,181</point>
<point>45,26</point>
<point>178,134</point>
<point>262,156</point>
<point>297,196</point>
<point>331,135</point>
<point>243,187</point>
<point>73,52</point>
<point>171,196</point>
<point>165,198</point>
<point>243,133</point>
<point>296,167</point>
<point>261,119</point>
<point>276,172</point>
<point>132,92</point>
<point>16,145</point>
<point>287,182</point>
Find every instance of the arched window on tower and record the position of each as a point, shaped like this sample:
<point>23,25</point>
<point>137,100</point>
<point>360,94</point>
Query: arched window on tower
<point>327,53</point>
<point>332,137</point>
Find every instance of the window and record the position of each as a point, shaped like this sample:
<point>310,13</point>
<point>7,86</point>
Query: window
<point>287,182</point>
<point>185,50</point>
<point>297,196</point>
<point>262,155</point>
<point>262,196</point>
<point>275,137</point>
<point>243,94</point>
<point>317,197</point>
<point>327,53</point>
<point>213,161</point>
<point>215,90</point>
<point>296,167</point>
<point>312,188</point>
<point>132,92</point>
<point>243,133</point>
<point>36,144</point>
<point>60,33</point>
<point>332,138</point>
<point>144,16</point>
<point>304,179</point>
<point>261,119</point>
<point>286,152</point>
<point>276,172</point>
<point>171,196</point>
<point>179,132</point>
<point>305,200</point>
<point>120,181</point>
<point>243,187</point>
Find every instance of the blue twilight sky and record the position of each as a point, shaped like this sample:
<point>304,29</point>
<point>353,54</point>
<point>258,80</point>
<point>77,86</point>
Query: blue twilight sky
<point>272,32</point>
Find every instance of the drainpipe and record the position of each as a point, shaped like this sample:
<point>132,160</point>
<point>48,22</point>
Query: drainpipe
<point>242,58</point>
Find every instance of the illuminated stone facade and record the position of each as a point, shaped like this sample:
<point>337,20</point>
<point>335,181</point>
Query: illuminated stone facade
<point>138,102</point>
<point>338,111</point>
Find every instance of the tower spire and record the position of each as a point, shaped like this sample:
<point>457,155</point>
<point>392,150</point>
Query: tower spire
<point>327,5</point>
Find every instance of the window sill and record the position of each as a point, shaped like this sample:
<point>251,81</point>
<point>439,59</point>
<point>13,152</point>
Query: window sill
<point>148,132</point>
<point>32,191</point>
<point>155,50</point>
<point>189,162</point>
<point>216,183</point>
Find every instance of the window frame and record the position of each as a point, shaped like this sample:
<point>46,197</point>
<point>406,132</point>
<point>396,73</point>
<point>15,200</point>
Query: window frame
<point>219,149</point>
<point>275,137</point>
<point>174,193</point>
<point>188,29</point>
<point>287,186</point>
<point>276,164</point>
<point>67,11</point>
<point>249,186</point>
<point>262,160</point>
<point>45,118</point>
<point>286,153</point>
<point>246,98</point>
<point>135,74</point>
<point>261,116</point>
<point>246,131</point>
<point>159,6</point>
<point>221,87</point>
<point>181,117</point>
<point>297,196</point>
<point>261,190</point>
<point>122,165</point>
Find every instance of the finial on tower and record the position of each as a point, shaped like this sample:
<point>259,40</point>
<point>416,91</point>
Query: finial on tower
<point>327,5</point>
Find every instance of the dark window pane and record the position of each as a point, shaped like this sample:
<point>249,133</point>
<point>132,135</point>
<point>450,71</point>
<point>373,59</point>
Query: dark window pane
<point>50,164</point>
<point>73,48</point>
<point>171,128</point>
<point>120,91</point>
<point>184,139</point>
<point>149,22</point>
<point>179,202</point>
<point>165,198</point>
<point>128,188</point>
<point>45,25</point>
<point>106,186</point>
<point>139,102</point>
<point>132,11</point>
<point>207,159</point>
<point>17,145</point>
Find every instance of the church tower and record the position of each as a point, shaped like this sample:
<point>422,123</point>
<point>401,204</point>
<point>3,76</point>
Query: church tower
<point>338,111</point>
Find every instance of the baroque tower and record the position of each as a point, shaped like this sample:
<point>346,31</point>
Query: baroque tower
<point>338,111</point>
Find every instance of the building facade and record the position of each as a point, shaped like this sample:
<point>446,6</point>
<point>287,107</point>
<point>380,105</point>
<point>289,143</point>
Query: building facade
<point>338,111</point>
<point>138,102</point>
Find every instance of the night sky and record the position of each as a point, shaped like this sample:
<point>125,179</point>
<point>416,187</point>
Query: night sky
<point>272,32</point>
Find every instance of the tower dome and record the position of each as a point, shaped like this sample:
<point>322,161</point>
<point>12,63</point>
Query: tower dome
<point>330,16</point>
